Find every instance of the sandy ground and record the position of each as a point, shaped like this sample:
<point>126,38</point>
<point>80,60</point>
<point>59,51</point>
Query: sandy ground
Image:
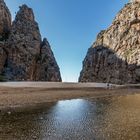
<point>24,94</point>
<point>53,84</point>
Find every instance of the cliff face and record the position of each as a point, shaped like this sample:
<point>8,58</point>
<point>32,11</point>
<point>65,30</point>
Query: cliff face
<point>23,50</point>
<point>48,68</point>
<point>115,55</point>
<point>5,21</point>
<point>5,27</point>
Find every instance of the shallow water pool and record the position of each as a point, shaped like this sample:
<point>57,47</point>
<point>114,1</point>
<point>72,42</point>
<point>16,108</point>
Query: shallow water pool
<point>108,118</point>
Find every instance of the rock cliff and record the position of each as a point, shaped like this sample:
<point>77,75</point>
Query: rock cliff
<point>5,27</point>
<point>115,56</point>
<point>48,68</point>
<point>21,49</point>
<point>5,21</point>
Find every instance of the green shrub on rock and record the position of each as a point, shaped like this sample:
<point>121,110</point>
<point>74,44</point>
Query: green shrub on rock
<point>2,78</point>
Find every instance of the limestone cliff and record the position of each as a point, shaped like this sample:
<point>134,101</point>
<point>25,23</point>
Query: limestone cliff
<point>5,21</point>
<point>5,27</point>
<point>115,56</point>
<point>48,68</point>
<point>21,50</point>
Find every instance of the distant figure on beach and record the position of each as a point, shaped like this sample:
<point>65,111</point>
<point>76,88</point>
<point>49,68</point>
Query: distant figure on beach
<point>107,85</point>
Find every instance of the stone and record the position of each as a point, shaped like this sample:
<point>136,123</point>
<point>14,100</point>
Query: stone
<point>135,0</point>
<point>48,69</point>
<point>3,57</point>
<point>21,49</point>
<point>23,46</point>
<point>115,55</point>
<point>5,21</point>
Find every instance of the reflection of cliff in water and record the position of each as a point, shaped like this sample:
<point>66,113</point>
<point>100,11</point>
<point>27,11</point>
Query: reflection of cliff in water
<point>104,118</point>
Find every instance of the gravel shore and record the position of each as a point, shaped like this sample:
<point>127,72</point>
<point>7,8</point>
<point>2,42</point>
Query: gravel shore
<point>25,94</point>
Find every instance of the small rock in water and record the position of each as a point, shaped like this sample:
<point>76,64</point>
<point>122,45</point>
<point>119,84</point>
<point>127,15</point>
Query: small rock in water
<point>9,113</point>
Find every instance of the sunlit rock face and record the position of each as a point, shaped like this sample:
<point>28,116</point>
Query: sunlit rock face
<point>115,55</point>
<point>21,48</point>
<point>135,0</point>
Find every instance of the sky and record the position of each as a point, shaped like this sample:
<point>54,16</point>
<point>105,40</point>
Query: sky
<point>71,27</point>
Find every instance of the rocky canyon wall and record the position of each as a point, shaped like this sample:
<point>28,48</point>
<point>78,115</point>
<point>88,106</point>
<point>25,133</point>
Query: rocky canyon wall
<point>115,55</point>
<point>23,54</point>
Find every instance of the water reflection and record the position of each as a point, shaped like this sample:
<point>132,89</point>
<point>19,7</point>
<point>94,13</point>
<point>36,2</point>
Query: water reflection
<point>107,118</point>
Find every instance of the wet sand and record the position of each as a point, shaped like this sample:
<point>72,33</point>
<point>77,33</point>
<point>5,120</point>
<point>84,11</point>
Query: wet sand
<point>32,94</point>
<point>107,118</point>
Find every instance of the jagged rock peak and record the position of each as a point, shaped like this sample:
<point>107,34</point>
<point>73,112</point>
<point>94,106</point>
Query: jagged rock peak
<point>115,55</point>
<point>23,54</point>
<point>25,13</point>
<point>25,28</point>
<point>5,20</point>
<point>23,46</point>
<point>45,42</point>
<point>49,69</point>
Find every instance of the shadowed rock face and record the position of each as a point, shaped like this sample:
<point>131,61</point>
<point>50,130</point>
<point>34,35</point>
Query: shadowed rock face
<point>48,68</point>
<point>115,55</point>
<point>23,46</point>
<point>5,21</point>
<point>3,57</point>
<point>5,27</point>
<point>23,51</point>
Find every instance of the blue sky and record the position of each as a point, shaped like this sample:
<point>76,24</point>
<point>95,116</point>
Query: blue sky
<point>71,26</point>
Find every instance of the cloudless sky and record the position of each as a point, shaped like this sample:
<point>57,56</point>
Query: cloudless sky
<point>71,26</point>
